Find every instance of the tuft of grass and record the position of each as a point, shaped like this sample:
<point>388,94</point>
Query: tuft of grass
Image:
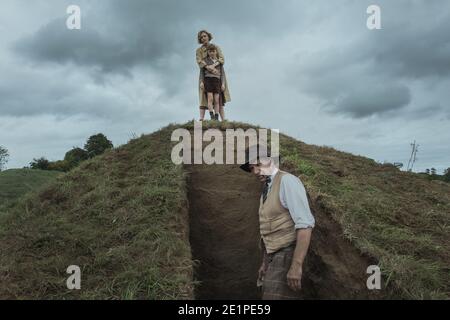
<point>302,166</point>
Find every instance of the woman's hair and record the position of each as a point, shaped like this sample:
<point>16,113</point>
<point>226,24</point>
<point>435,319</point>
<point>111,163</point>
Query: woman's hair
<point>200,33</point>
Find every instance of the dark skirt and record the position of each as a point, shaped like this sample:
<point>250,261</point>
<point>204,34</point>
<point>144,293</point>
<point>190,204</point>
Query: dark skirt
<point>212,85</point>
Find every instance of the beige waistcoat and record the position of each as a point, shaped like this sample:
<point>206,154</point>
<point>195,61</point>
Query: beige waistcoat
<point>276,225</point>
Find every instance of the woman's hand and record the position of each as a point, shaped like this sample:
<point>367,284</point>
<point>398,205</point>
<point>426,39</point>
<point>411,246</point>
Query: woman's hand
<point>213,70</point>
<point>223,87</point>
<point>202,85</point>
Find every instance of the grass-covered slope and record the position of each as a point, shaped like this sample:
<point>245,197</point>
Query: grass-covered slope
<point>120,217</point>
<point>123,218</point>
<point>14,183</point>
<point>400,218</point>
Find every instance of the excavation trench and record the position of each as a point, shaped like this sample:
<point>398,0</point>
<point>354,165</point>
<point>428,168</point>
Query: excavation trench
<point>224,235</point>
<point>224,239</point>
<point>223,211</point>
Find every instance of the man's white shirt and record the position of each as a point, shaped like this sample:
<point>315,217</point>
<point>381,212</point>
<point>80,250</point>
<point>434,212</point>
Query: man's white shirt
<point>293,197</point>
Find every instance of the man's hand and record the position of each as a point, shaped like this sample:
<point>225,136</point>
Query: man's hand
<point>294,276</point>
<point>262,271</point>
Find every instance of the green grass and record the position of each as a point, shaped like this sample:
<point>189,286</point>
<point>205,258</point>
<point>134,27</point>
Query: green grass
<point>121,217</point>
<point>402,219</point>
<point>302,166</point>
<point>14,183</point>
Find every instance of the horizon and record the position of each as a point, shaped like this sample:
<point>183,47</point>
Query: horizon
<point>239,136</point>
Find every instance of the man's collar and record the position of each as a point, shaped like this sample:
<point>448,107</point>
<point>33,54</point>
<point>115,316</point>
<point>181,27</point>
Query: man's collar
<point>275,171</point>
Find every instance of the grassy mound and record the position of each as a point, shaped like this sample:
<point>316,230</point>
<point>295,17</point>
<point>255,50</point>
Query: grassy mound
<point>400,218</point>
<point>120,217</point>
<point>123,218</point>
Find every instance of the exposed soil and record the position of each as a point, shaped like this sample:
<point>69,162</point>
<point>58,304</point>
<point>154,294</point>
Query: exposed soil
<point>334,268</point>
<point>224,229</point>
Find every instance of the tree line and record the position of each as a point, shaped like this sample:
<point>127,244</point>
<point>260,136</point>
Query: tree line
<point>94,146</point>
<point>433,175</point>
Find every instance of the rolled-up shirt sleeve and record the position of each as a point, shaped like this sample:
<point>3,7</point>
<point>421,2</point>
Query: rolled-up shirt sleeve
<point>293,197</point>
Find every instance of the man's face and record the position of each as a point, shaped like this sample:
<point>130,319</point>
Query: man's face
<point>262,169</point>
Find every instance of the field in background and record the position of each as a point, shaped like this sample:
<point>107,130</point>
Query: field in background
<point>14,183</point>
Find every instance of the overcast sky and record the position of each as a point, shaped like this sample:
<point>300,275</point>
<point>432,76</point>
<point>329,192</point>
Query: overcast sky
<point>309,68</point>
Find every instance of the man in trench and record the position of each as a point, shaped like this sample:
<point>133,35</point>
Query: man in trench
<point>286,223</point>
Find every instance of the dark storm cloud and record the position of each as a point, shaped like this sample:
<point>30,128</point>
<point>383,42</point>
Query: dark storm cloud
<point>348,85</point>
<point>53,97</point>
<point>417,47</point>
<point>374,73</point>
<point>369,101</point>
<point>147,32</point>
<point>88,47</point>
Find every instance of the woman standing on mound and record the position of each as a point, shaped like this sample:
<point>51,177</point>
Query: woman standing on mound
<point>204,38</point>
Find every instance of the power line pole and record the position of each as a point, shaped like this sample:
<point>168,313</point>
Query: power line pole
<point>413,158</point>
